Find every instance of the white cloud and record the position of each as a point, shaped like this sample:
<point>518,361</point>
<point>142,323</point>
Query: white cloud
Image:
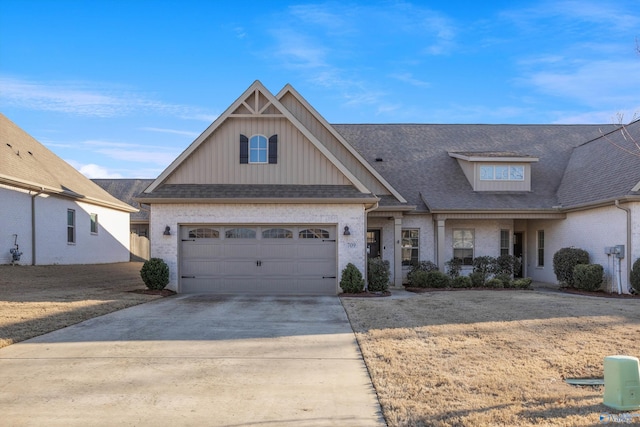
<point>408,78</point>
<point>172,131</point>
<point>95,171</point>
<point>87,99</point>
<point>594,83</point>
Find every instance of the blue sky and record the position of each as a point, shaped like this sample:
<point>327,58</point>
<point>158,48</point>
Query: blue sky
<point>119,88</point>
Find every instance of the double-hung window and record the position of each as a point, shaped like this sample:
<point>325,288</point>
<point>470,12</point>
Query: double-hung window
<point>410,246</point>
<point>71,226</point>
<point>540,248</point>
<point>463,246</point>
<point>504,242</point>
<point>94,223</point>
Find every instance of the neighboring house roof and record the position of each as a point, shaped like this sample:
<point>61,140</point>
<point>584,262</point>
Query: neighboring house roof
<point>415,159</point>
<point>603,169</point>
<point>26,163</point>
<point>126,190</point>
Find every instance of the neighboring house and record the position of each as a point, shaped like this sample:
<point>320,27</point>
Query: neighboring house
<point>272,199</point>
<point>125,190</point>
<point>54,213</point>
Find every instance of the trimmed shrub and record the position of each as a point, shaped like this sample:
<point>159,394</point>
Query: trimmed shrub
<point>155,274</point>
<point>419,279</point>
<point>437,279</point>
<point>425,266</point>
<point>454,265</point>
<point>508,264</point>
<point>485,266</point>
<point>564,262</point>
<point>351,281</point>
<point>588,277</point>
<point>524,283</point>
<point>461,282</point>
<point>477,280</point>
<point>494,283</point>
<point>378,274</point>
<point>635,276</point>
<point>505,278</point>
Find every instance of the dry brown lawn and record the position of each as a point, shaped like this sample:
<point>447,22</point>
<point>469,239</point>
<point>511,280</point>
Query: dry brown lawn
<point>449,358</point>
<point>486,358</point>
<point>35,300</point>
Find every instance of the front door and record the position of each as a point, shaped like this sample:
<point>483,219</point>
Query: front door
<point>373,244</point>
<point>517,252</point>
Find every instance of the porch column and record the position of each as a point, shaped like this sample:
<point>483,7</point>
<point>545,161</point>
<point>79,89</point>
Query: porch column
<point>440,245</point>
<point>397,252</point>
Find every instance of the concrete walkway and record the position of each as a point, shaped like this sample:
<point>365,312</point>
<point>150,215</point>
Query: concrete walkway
<point>194,361</point>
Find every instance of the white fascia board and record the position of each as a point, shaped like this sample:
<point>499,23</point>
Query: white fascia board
<point>204,135</point>
<point>289,89</point>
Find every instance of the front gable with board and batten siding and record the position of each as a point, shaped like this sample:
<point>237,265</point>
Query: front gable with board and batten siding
<point>283,206</point>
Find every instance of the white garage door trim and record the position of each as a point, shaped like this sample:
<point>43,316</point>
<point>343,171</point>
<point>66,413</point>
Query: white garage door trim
<point>266,259</point>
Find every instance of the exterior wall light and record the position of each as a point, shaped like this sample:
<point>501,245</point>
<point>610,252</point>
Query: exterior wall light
<point>346,231</point>
<point>167,231</point>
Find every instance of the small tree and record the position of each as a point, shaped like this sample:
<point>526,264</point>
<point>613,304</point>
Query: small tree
<point>508,264</point>
<point>351,281</point>
<point>454,265</point>
<point>155,274</point>
<point>483,267</point>
<point>564,262</point>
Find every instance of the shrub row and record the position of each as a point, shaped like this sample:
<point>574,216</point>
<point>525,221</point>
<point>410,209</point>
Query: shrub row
<point>378,274</point>
<point>437,279</point>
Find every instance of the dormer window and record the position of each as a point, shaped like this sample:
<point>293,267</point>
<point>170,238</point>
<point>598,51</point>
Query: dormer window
<point>496,171</point>
<point>502,172</point>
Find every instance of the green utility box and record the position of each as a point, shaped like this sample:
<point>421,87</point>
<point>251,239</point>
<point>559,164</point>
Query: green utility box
<point>622,382</point>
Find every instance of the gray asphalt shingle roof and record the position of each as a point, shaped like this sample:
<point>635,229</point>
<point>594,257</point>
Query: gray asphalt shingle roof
<point>415,160</point>
<point>603,169</point>
<point>241,191</point>
<point>126,190</point>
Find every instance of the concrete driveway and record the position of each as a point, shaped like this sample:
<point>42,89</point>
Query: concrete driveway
<point>194,360</point>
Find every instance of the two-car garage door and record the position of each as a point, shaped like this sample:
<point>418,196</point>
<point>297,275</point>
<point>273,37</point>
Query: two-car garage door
<point>265,260</point>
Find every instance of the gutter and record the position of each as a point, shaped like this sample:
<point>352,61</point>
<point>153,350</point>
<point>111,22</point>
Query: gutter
<point>33,224</point>
<point>629,252</point>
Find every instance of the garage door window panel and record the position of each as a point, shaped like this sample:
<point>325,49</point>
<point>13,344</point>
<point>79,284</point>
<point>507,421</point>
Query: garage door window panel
<point>240,233</point>
<point>204,233</point>
<point>277,233</point>
<point>313,233</point>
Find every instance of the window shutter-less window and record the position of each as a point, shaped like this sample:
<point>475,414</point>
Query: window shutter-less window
<point>244,149</point>
<point>273,149</point>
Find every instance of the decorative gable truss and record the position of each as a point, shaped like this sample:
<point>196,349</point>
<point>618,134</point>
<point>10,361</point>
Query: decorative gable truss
<point>256,103</point>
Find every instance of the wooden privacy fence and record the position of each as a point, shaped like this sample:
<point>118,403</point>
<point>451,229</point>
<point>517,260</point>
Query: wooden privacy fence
<point>139,247</point>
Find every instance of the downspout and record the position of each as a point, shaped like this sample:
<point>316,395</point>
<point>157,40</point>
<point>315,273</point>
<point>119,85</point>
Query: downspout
<point>629,252</point>
<point>366,258</point>
<point>33,225</point>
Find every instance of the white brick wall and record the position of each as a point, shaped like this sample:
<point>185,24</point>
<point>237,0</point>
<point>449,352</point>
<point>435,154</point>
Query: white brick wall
<point>590,230</point>
<point>110,244</point>
<point>350,248</point>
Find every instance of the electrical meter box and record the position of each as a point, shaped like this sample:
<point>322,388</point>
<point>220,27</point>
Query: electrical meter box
<point>622,382</point>
<point>619,251</point>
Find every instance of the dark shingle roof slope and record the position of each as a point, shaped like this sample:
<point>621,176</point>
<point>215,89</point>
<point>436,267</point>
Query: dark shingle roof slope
<point>126,190</point>
<point>414,159</point>
<point>605,168</point>
<point>243,191</point>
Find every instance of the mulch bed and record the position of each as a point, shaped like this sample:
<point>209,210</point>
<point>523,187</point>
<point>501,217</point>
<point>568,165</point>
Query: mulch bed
<point>161,292</point>
<point>601,294</point>
<point>366,294</point>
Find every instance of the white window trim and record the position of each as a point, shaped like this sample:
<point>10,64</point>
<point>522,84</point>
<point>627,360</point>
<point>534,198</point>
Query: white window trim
<point>266,150</point>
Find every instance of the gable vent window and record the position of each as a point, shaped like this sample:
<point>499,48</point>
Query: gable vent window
<point>502,173</point>
<point>259,149</point>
